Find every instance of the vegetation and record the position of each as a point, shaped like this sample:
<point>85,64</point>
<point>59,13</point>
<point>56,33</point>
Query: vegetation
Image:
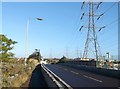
<point>35,55</point>
<point>6,45</point>
<point>52,60</point>
<point>14,74</point>
<point>63,59</point>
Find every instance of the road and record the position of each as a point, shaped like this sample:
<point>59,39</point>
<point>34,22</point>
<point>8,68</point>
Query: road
<point>80,78</point>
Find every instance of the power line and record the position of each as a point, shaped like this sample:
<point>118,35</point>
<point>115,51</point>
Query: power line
<point>109,8</point>
<point>105,10</point>
<point>76,26</point>
<point>112,22</point>
<point>108,24</point>
<point>75,29</point>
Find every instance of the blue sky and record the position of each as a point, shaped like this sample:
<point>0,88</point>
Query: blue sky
<point>59,31</point>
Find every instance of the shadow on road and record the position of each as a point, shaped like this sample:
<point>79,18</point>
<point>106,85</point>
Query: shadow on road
<point>37,79</point>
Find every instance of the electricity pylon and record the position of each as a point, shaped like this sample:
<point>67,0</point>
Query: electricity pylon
<point>91,32</point>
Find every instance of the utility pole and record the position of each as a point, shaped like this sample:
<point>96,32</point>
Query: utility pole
<point>26,50</point>
<point>27,30</point>
<point>50,55</point>
<point>91,40</point>
<point>77,52</point>
<point>67,52</point>
<point>118,30</point>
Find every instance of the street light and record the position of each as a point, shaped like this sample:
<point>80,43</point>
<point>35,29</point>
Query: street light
<point>39,18</point>
<point>26,51</point>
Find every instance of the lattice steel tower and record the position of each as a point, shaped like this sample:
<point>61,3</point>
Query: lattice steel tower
<point>91,32</point>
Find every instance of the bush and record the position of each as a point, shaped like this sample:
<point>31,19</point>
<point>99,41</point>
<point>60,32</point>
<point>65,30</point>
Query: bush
<point>63,59</point>
<point>15,73</point>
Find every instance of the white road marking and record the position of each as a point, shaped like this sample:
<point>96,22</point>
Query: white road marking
<point>62,68</point>
<point>85,76</point>
<point>68,86</point>
<point>65,69</point>
<point>58,67</point>
<point>74,72</point>
<point>92,78</point>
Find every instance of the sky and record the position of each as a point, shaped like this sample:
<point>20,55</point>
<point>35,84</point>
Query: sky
<point>58,33</point>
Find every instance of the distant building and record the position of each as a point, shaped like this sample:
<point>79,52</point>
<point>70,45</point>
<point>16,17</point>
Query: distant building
<point>85,59</point>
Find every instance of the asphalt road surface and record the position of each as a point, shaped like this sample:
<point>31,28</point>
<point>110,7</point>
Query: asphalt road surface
<point>80,78</point>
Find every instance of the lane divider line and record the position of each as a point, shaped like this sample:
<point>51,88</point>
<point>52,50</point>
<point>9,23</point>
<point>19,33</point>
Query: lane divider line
<point>86,76</point>
<point>65,69</point>
<point>62,68</point>
<point>93,78</point>
<point>74,72</point>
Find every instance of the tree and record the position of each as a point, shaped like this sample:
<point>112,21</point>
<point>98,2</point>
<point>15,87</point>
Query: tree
<point>63,59</point>
<point>6,45</point>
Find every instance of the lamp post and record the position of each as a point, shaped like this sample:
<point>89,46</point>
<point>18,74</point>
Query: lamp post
<point>108,58</point>
<point>27,29</point>
<point>108,55</point>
